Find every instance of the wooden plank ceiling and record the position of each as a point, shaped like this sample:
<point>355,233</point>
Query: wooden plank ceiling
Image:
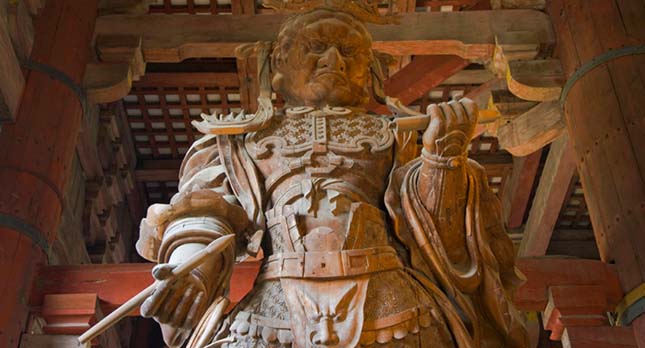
<point>169,96</point>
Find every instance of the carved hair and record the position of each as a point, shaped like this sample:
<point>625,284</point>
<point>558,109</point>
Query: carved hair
<point>294,24</point>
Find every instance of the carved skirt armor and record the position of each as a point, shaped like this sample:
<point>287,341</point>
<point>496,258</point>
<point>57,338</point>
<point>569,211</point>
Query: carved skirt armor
<point>345,298</point>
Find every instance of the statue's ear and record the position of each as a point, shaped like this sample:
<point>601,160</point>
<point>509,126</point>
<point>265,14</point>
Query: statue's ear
<point>378,78</point>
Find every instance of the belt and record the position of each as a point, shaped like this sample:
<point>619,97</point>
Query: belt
<point>331,264</point>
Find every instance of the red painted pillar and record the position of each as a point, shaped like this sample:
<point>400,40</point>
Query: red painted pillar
<point>36,153</point>
<point>605,114</point>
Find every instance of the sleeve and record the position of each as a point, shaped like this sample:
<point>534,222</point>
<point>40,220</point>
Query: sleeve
<point>484,287</point>
<point>203,210</point>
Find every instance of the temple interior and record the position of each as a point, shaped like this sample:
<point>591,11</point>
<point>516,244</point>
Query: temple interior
<point>98,103</point>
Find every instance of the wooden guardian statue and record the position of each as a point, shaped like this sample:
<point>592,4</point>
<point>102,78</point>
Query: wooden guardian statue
<point>367,243</point>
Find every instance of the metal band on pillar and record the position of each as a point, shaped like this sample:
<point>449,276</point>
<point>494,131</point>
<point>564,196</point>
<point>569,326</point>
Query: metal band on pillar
<point>58,76</point>
<point>631,306</point>
<point>595,62</point>
<point>16,223</point>
<point>26,229</point>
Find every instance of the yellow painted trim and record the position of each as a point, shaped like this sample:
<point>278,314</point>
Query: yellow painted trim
<point>629,299</point>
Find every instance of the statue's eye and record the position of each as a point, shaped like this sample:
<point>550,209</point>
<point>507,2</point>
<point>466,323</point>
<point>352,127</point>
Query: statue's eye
<point>314,318</point>
<point>317,46</point>
<point>347,50</point>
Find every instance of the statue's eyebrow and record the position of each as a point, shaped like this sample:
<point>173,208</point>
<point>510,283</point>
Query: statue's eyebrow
<point>310,34</point>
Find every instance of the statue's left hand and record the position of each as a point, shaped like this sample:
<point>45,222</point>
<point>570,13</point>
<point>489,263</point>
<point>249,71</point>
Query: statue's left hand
<point>451,127</point>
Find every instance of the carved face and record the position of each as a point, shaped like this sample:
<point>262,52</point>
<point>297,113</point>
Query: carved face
<point>326,314</point>
<point>322,59</point>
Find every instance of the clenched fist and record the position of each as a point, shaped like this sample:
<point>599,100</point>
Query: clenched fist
<point>451,127</point>
<point>177,302</point>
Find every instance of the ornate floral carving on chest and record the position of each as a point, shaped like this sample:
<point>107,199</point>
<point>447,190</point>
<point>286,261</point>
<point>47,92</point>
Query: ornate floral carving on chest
<point>304,129</point>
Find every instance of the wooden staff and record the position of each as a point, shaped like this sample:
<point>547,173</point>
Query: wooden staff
<point>212,249</point>
<point>421,122</point>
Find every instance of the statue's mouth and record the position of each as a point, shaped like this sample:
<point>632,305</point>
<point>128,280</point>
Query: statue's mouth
<point>331,74</point>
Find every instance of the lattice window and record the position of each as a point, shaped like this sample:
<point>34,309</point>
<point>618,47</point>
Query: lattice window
<point>574,214</point>
<point>160,109</point>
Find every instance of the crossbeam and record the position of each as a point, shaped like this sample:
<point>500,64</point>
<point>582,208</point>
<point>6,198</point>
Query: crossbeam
<point>545,272</point>
<point>114,284</point>
<point>470,34</point>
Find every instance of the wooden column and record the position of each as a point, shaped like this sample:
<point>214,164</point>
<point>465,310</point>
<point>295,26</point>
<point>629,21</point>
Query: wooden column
<point>605,114</point>
<point>37,152</point>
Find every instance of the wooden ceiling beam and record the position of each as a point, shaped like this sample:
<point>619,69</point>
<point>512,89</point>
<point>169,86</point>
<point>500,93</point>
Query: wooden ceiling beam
<point>469,34</point>
<point>116,283</point>
<point>517,192</point>
<point>157,175</point>
<point>124,6</point>
<point>549,198</point>
<point>157,170</point>
<point>542,273</point>
<point>421,75</point>
<point>538,80</point>
<point>514,4</point>
<point>532,130</point>
<point>187,79</point>
<point>470,77</point>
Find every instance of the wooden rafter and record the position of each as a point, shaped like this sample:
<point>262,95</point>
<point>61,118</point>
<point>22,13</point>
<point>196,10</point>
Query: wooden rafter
<point>508,4</point>
<point>518,191</point>
<point>533,129</point>
<point>469,34</point>
<point>417,78</point>
<point>470,77</point>
<point>549,198</point>
<point>158,170</point>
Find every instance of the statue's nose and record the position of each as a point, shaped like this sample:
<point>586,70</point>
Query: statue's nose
<point>332,60</point>
<point>326,335</point>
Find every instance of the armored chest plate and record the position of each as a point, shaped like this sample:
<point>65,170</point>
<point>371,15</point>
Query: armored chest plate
<point>304,129</point>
